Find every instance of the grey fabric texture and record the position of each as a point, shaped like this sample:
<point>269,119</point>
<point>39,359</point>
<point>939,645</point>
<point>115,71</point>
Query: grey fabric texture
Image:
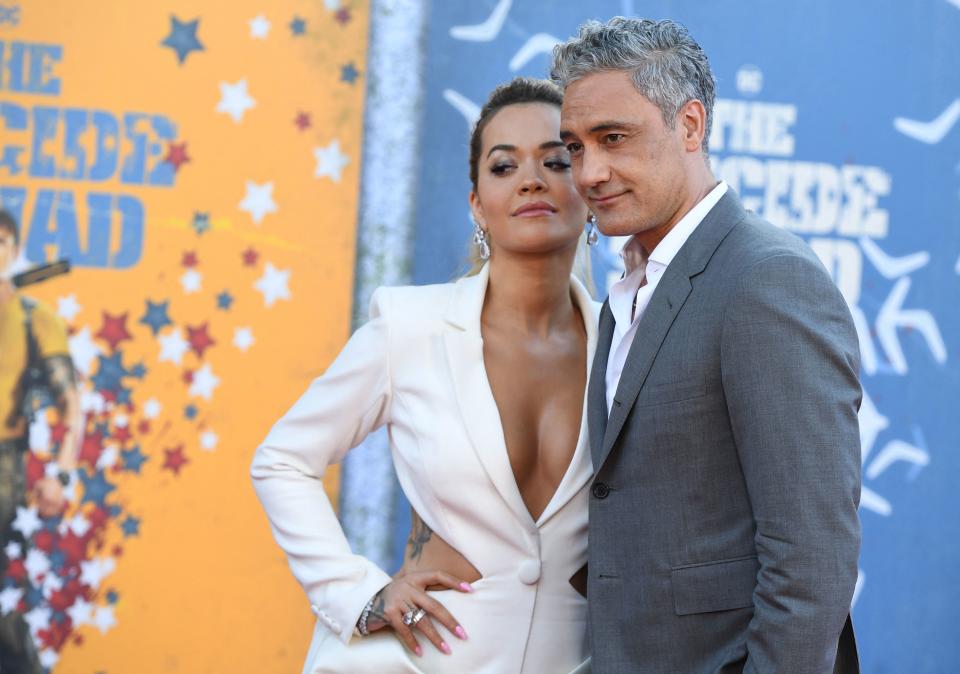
<point>724,533</point>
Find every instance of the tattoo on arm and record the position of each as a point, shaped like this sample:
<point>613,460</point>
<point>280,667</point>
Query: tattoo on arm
<point>420,535</point>
<point>378,615</point>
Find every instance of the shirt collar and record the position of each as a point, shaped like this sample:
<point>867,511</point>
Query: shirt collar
<point>632,252</point>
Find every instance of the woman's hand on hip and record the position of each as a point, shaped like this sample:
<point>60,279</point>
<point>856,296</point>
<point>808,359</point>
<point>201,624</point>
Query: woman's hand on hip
<point>407,593</point>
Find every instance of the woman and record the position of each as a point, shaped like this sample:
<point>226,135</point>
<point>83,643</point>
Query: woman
<point>481,384</point>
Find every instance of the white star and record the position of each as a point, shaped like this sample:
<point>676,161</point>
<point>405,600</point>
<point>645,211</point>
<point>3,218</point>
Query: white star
<point>12,550</point>
<point>330,161</point>
<point>191,281</point>
<point>84,350</point>
<point>273,284</point>
<point>38,619</point>
<point>81,613</point>
<point>108,457</point>
<point>9,598</point>
<point>258,200</point>
<point>243,339</point>
<point>91,401</point>
<point>79,525</point>
<point>36,564</point>
<point>234,100</point>
<point>173,346</point>
<point>48,658</point>
<point>51,583</point>
<point>204,381</point>
<point>121,421</point>
<point>259,27</point>
<point>27,522</point>
<point>39,435</point>
<point>104,619</point>
<point>332,5</point>
<point>68,307</point>
<point>152,408</point>
<point>95,570</point>
<point>209,440</point>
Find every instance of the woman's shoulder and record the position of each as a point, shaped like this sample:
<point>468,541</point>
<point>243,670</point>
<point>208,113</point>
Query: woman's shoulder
<point>413,303</point>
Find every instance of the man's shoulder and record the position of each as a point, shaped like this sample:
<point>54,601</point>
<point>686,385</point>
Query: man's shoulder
<point>754,239</point>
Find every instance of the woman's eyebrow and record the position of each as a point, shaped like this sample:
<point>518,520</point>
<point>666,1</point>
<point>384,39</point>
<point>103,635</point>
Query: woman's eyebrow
<point>513,148</point>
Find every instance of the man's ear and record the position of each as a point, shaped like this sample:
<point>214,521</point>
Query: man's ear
<point>693,121</point>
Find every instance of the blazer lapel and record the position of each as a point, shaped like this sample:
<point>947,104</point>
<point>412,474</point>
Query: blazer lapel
<point>667,300</point>
<point>597,388</point>
<point>580,470</point>
<point>478,408</point>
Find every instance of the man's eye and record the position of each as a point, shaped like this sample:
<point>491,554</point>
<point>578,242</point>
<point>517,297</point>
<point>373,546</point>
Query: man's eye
<point>574,148</point>
<point>613,138</point>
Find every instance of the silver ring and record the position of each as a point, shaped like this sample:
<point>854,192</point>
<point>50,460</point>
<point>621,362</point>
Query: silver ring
<point>413,616</point>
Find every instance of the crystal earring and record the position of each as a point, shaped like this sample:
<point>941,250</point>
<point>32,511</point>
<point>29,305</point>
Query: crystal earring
<point>480,239</point>
<point>592,235</point>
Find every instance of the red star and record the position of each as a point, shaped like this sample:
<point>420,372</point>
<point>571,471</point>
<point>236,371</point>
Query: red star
<point>302,121</point>
<point>250,257</point>
<point>114,330</point>
<point>177,155</point>
<point>35,469</point>
<point>121,434</point>
<point>44,540</point>
<point>188,377</point>
<point>189,259</point>
<point>57,432</point>
<point>91,448</point>
<point>343,16</point>
<point>72,547</point>
<point>199,339</point>
<point>143,427</point>
<point>175,460</point>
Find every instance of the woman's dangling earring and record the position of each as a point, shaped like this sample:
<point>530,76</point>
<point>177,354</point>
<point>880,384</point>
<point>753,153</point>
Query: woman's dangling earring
<point>480,239</point>
<point>592,235</point>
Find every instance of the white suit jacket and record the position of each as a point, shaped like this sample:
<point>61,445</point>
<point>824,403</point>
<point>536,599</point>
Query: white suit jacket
<point>417,366</point>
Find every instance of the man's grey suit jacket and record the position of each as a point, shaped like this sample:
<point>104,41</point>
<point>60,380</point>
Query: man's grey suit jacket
<point>724,533</point>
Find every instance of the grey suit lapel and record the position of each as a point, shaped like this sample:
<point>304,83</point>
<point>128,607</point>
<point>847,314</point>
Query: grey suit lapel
<point>597,391</point>
<point>667,300</point>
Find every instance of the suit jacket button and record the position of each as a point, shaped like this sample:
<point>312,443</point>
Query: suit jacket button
<point>600,490</point>
<point>529,572</point>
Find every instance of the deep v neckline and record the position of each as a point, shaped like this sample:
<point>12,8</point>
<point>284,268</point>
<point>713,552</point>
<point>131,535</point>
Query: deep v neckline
<point>575,458</point>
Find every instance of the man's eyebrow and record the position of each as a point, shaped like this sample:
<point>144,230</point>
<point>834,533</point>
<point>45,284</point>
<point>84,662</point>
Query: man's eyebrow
<point>513,148</point>
<point>606,125</point>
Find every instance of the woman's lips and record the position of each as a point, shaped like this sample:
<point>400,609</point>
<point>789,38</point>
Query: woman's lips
<point>537,209</point>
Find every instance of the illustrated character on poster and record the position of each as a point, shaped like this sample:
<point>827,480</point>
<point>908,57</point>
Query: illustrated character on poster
<point>35,372</point>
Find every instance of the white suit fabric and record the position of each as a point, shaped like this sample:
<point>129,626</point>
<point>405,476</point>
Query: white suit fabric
<point>417,366</point>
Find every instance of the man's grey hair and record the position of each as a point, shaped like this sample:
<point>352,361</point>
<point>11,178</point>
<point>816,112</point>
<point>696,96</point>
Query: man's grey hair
<point>667,65</point>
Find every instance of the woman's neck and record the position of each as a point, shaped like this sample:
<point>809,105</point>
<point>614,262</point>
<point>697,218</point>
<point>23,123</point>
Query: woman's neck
<point>529,294</point>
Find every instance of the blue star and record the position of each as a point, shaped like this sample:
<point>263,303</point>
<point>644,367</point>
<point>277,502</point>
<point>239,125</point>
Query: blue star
<point>156,316</point>
<point>349,73</point>
<point>59,617</point>
<point>95,487</point>
<point>298,26</point>
<point>123,396</point>
<point>114,510</point>
<point>33,596</point>
<point>130,526</point>
<point>57,558</point>
<point>113,597</point>
<point>133,459</point>
<point>111,373</point>
<point>183,38</point>
<point>224,300</point>
<point>139,371</point>
<point>201,222</point>
<point>190,412</point>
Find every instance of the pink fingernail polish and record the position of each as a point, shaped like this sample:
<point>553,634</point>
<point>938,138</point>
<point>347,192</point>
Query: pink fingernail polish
<point>466,587</point>
<point>418,651</point>
<point>445,648</point>
<point>460,632</point>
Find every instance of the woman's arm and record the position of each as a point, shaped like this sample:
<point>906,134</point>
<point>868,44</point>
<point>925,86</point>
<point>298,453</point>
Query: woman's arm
<point>335,414</point>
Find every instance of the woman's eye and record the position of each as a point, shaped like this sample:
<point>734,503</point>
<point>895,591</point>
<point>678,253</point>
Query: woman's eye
<point>557,164</point>
<point>500,169</point>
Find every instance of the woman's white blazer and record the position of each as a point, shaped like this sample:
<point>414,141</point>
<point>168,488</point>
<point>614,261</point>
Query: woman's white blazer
<point>417,366</point>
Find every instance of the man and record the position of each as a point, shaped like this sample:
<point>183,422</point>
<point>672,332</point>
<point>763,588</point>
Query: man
<point>723,398</point>
<point>23,321</point>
